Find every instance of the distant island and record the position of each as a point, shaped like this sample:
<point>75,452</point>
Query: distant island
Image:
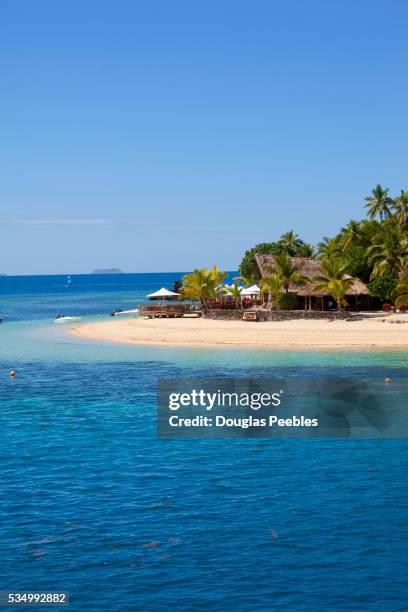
<point>108,271</point>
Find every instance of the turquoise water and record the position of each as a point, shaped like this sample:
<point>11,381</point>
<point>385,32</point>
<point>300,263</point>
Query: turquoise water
<point>93,503</point>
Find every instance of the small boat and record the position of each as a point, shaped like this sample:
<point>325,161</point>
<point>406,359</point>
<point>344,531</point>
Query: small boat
<point>68,283</point>
<point>118,312</point>
<point>66,319</point>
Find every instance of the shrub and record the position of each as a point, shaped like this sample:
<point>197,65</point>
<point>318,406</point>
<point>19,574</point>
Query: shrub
<point>383,287</point>
<point>285,301</point>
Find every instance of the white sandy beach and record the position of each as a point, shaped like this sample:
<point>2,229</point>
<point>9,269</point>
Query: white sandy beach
<point>380,332</point>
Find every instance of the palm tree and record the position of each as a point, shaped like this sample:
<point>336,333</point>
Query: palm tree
<point>328,248</point>
<point>401,290</point>
<point>334,280</point>
<point>369,229</point>
<point>272,286</point>
<point>195,286</point>
<point>203,284</point>
<point>288,271</point>
<point>248,280</point>
<point>307,250</point>
<point>216,275</point>
<point>290,243</point>
<point>400,207</point>
<point>378,203</point>
<point>350,235</point>
<point>388,253</point>
<point>235,292</point>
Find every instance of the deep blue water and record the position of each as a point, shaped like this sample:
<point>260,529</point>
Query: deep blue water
<point>93,503</point>
<point>39,297</point>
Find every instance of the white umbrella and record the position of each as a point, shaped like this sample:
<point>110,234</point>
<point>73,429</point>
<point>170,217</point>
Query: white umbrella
<point>253,290</point>
<point>162,294</point>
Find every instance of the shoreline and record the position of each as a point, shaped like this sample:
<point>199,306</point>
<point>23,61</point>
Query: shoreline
<point>367,334</point>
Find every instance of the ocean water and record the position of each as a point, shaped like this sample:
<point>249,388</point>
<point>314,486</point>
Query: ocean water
<point>94,504</point>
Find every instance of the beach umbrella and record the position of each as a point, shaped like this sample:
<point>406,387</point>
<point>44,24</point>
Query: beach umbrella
<point>253,290</point>
<point>163,294</point>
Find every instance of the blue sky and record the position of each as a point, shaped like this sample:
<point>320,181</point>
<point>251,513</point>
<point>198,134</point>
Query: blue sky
<point>161,136</point>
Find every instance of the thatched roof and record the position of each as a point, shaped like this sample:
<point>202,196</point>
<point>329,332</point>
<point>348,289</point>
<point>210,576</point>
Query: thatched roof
<point>309,268</point>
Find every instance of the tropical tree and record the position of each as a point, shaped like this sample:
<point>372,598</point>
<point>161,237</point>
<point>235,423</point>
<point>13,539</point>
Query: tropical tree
<point>203,284</point>
<point>383,287</point>
<point>217,276</point>
<point>388,252</point>
<point>248,265</point>
<point>378,203</point>
<point>357,262</point>
<point>369,228</point>
<point>328,248</point>
<point>400,208</point>
<point>288,270</point>
<point>290,243</point>
<point>307,250</point>
<point>272,286</point>
<point>235,292</point>
<point>351,235</point>
<point>246,279</point>
<point>334,280</point>
<point>401,291</point>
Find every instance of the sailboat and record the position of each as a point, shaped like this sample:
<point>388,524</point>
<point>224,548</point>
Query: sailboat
<point>68,282</point>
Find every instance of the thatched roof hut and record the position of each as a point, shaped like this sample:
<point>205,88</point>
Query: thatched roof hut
<point>310,269</point>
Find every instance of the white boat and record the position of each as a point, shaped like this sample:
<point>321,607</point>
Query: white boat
<point>117,313</point>
<point>64,319</point>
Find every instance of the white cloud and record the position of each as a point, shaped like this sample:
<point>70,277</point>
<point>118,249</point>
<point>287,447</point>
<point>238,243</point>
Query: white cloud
<point>60,221</point>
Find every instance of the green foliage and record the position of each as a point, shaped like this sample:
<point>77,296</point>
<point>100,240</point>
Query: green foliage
<point>369,229</point>
<point>389,251</point>
<point>379,203</point>
<point>272,286</point>
<point>287,271</point>
<point>334,281</point>
<point>357,263</point>
<point>351,235</point>
<point>285,301</point>
<point>400,208</point>
<point>248,280</point>
<point>235,292</point>
<point>374,250</point>
<point>307,250</point>
<point>248,267</point>
<point>329,248</point>
<point>203,284</point>
<point>383,287</point>
<point>401,290</point>
<point>289,243</point>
